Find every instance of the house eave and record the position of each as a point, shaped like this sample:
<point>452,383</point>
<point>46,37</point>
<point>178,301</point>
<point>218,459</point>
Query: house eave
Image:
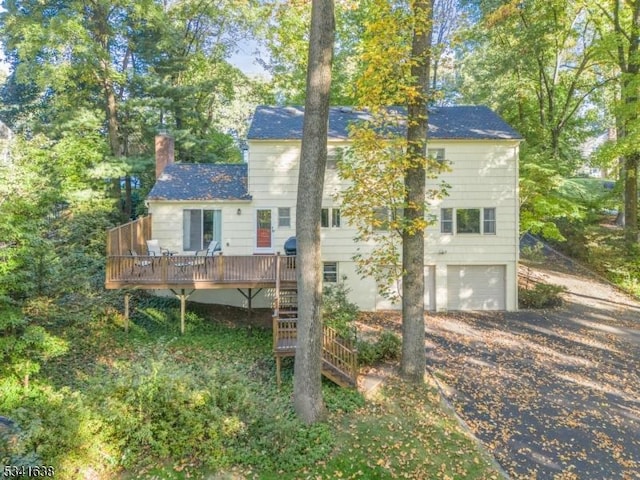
<point>199,200</point>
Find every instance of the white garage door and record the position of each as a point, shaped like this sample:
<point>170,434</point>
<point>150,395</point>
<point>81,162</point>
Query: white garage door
<point>430,288</point>
<point>476,287</point>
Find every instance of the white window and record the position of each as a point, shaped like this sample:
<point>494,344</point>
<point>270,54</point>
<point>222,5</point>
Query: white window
<point>489,221</point>
<point>333,156</point>
<point>200,227</point>
<point>446,220</point>
<point>436,153</point>
<point>468,220</point>
<point>384,217</point>
<point>330,217</point>
<point>284,217</point>
<point>330,272</point>
<point>335,218</point>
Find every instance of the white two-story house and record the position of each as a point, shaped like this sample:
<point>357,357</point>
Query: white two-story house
<point>471,253</point>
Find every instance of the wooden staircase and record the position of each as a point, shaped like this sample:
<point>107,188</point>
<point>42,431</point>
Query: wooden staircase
<point>339,356</point>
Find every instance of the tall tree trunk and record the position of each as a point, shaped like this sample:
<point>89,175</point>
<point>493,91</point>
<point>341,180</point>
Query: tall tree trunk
<point>630,67</point>
<point>631,197</point>
<point>307,390</point>
<point>413,332</point>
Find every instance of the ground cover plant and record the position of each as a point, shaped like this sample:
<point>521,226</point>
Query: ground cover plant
<point>153,404</point>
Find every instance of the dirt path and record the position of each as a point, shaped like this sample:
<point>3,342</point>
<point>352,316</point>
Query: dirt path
<point>552,393</point>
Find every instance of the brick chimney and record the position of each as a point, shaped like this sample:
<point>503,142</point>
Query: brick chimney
<point>164,152</point>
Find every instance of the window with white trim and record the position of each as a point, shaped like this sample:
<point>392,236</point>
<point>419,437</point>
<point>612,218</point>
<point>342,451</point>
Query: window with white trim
<point>467,220</point>
<point>436,153</point>
<point>333,155</point>
<point>464,221</point>
<point>385,218</point>
<point>330,272</point>
<point>489,221</point>
<point>330,218</point>
<point>200,227</point>
<point>446,220</point>
<point>284,217</point>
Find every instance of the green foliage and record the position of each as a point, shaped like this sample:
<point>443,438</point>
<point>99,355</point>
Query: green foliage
<point>388,346</point>
<point>277,441</point>
<point>160,409</point>
<point>591,193</point>
<point>402,433</point>
<point>55,427</point>
<point>23,344</point>
<point>55,237</point>
<point>337,311</point>
<point>342,400</point>
<point>533,253</point>
<point>287,40</point>
<point>541,201</point>
<point>542,295</point>
<point>602,248</point>
<point>150,403</point>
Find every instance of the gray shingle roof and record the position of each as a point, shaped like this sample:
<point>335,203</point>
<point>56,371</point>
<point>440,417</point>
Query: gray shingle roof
<point>460,122</point>
<point>201,181</point>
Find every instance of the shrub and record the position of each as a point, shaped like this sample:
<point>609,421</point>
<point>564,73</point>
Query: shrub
<point>24,346</point>
<point>533,253</point>
<point>161,409</point>
<point>54,427</point>
<point>388,346</point>
<point>541,296</point>
<point>338,312</point>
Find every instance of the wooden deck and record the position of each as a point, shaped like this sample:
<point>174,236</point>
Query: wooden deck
<point>193,272</point>
<point>185,273</point>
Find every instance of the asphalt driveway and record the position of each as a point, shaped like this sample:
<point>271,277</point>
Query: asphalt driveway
<point>553,394</point>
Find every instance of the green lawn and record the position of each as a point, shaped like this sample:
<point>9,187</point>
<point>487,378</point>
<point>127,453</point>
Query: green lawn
<point>154,404</point>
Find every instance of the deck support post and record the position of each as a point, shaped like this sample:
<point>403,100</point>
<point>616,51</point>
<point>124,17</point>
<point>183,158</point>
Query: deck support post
<point>250,295</point>
<point>126,312</point>
<point>277,299</point>
<point>278,365</point>
<point>183,307</point>
<point>183,295</point>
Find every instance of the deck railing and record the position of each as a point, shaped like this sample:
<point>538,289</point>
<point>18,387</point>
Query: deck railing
<point>190,270</point>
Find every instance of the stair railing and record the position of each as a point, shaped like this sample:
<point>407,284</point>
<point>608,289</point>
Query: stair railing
<point>340,353</point>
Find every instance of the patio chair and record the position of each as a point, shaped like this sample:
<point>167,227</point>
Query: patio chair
<point>201,259</point>
<point>214,246</point>
<point>140,263</point>
<point>154,248</point>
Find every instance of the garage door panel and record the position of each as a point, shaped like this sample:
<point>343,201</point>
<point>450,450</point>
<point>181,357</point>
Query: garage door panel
<point>476,287</point>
